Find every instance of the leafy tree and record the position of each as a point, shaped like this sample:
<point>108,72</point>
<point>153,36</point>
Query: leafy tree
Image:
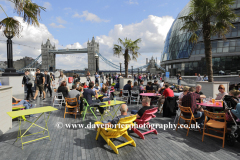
<point>129,50</point>
<point>212,17</point>
<point>29,11</point>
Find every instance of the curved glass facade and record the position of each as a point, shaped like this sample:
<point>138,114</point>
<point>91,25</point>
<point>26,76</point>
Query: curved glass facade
<point>180,55</point>
<point>177,43</point>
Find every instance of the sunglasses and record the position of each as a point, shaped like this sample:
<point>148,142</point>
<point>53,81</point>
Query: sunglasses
<point>220,88</point>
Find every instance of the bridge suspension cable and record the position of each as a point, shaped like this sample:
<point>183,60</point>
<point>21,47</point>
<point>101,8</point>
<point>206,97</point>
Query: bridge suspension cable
<point>117,66</point>
<point>160,67</point>
<point>30,65</point>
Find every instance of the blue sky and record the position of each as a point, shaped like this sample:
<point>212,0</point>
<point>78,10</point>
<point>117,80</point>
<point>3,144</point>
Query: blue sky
<point>113,11</point>
<point>76,21</point>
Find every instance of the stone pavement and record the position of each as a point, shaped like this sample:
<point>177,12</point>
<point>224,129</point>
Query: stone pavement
<point>81,144</point>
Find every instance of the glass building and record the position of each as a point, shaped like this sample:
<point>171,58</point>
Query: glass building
<point>182,56</point>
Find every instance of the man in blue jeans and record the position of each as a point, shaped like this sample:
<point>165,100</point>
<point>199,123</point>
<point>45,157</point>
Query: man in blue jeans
<point>24,103</point>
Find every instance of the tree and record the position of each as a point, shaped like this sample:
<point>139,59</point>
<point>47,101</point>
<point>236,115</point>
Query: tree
<point>211,17</point>
<point>127,47</point>
<point>30,12</point>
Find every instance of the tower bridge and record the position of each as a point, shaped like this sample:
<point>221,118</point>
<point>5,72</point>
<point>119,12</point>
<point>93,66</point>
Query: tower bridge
<point>49,51</point>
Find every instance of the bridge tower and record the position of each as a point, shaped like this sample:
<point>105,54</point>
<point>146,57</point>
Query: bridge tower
<point>48,59</point>
<point>92,48</point>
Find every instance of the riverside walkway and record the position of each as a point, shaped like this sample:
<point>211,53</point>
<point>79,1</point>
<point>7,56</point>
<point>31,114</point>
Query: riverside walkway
<point>81,144</point>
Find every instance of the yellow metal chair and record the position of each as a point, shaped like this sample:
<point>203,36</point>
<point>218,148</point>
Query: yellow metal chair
<point>119,131</point>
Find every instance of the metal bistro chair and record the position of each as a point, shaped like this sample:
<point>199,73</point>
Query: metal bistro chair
<point>86,106</point>
<point>59,101</point>
<point>134,97</point>
<point>125,97</point>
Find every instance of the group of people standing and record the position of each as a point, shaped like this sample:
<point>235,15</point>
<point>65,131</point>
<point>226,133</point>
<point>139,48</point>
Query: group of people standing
<point>41,81</point>
<point>109,78</point>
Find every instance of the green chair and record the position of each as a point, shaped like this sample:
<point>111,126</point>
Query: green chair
<point>86,106</point>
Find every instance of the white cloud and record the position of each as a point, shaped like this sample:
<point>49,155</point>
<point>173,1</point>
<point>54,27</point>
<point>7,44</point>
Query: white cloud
<point>152,31</point>
<point>30,36</point>
<point>60,20</point>
<point>132,2</point>
<point>56,26</point>
<point>76,45</point>
<point>90,17</point>
<point>47,5</point>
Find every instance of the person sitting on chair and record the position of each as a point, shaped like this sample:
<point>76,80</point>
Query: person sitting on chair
<point>63,89</point>
<point>136,87</point>
<point>156,86</point>
<point>146,105</point>
<point>128,87</point>
<point>149,86</point>
<point>166,93</point>
<point>74,94</point>
<point>190,100</point>
<point>114,121</point>
<point>89,93</point>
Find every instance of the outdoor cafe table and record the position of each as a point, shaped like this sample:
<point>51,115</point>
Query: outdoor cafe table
<point>21,113</point>
<point>213,105</point>
<point>149,94</point>
<point>115,109</point>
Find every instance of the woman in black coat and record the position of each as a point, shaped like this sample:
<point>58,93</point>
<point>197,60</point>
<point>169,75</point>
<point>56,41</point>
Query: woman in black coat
<point>63,89</point>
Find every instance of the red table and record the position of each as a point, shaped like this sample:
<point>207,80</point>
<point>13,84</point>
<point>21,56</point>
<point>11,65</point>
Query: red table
<point>214,105</point>
<point>149,94</point>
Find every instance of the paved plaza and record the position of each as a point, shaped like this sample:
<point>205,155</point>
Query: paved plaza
<point>81,144</point>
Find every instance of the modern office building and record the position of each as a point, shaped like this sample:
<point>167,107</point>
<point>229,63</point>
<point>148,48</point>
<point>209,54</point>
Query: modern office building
<point>181,56</point>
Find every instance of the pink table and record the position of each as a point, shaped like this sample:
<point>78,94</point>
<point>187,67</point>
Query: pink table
<point>149,94</point>
<point>211,105</point>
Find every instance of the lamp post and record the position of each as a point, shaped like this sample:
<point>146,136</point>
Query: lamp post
<point>120,67</point>
<point>132,71</point>
<point>10,71</point>
<point>96,57</point>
